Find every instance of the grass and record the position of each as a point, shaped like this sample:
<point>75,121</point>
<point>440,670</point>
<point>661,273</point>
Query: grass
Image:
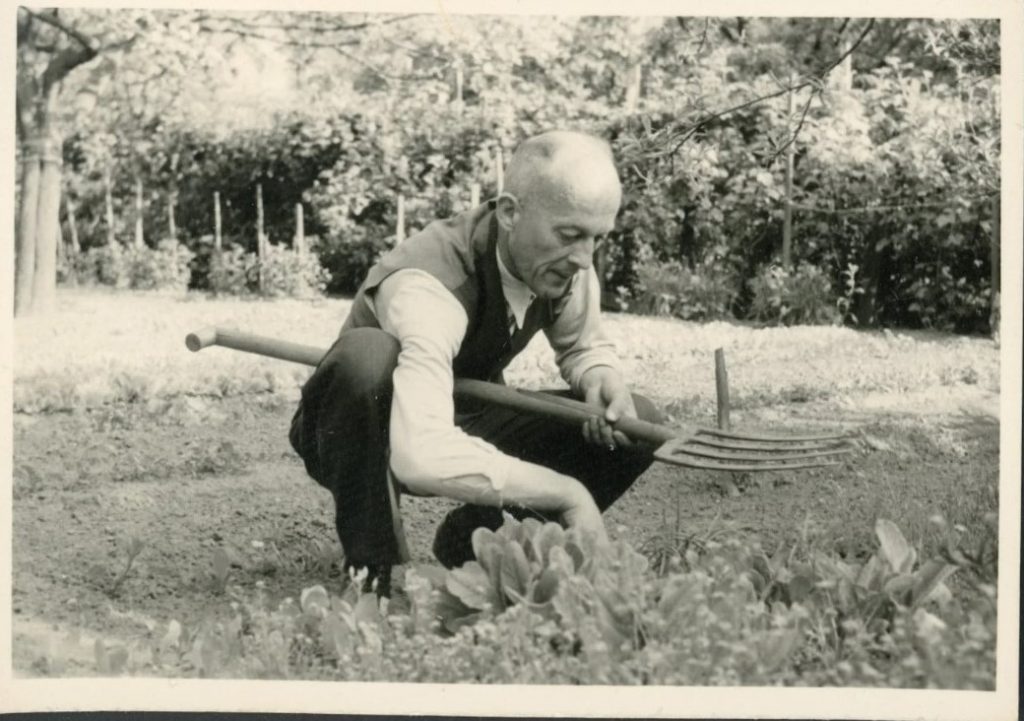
<point>102,347</point>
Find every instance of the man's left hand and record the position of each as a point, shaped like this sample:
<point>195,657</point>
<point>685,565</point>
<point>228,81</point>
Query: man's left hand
<point>603,386</point>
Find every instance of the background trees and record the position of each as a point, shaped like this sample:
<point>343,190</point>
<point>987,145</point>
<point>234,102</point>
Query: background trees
<point>877,139</point>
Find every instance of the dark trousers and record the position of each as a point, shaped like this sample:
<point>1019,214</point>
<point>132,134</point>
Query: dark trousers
<point>341,432</point>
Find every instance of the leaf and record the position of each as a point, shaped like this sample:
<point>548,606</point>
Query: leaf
<point>778,647</point>
<point>547,537</point>
<point>336,636</point>
<point>100,654</point>
<point>546,586</point>
<point>929,583</point>
<point>367,610</point>
<point>471,585</point>
<point>895,549</point>
<point>117,659</point>
<point>515,572</point>
<point>315,600</point>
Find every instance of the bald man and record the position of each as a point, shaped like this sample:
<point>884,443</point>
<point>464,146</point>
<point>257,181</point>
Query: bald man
<point>459,300</point>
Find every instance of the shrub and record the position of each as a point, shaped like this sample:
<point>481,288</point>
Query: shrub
<point>800,297</point>
<point>232,271</point>
<point>705,293</point>
<point>288,273</point>
<point>348,254</point>
<point>165,267</point>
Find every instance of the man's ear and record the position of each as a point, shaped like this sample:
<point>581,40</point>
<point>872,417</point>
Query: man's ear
<point>507,211</point>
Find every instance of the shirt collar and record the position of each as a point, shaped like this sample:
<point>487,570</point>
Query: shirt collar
<point>517,294</point>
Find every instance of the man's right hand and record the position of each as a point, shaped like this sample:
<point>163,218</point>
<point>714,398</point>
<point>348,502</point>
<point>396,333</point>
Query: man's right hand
<point>584,514</point>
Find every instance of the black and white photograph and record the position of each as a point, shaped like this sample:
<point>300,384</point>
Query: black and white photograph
<point>636,360</point>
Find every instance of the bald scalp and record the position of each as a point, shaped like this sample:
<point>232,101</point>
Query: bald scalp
<point>563,167</point>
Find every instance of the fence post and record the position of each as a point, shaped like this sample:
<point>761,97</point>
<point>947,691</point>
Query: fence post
<point>499,171</point>
<point>261,251</point>
<point>636,74</point>
<point>459,81</point>
<point>140,239</point>
<point>216,221</point>
<point>300,230</point>
<point>787,214</point>
<point>400,226</point>
<point>108,201</point>
<point>172,227</point>
<point>474,195</point>
<point>73,225</point>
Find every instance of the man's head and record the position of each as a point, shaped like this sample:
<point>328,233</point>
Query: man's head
<point>561,196</point>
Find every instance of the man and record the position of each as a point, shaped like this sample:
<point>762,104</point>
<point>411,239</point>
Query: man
<point>461,299</point>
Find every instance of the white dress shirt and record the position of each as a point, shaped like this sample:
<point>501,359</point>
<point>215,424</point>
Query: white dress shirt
<point>427,448</point>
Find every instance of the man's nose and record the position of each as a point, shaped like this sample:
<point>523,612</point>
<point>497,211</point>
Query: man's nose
<point>582,254</point>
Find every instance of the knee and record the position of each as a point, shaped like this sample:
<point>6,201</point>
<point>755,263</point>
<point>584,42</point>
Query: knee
<point>361,361</point>
<point>646,410</point>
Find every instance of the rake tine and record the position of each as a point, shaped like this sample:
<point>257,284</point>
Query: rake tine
<point>780,455</point>
<point>740,467</point>
<point>769,438</point>
<point>768,447</point>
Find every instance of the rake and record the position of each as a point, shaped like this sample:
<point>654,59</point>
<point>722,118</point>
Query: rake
<point>704,448</point>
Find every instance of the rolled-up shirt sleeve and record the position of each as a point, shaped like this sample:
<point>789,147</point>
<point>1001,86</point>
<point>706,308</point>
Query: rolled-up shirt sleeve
<point>426,445</point>
<point>577,337</point>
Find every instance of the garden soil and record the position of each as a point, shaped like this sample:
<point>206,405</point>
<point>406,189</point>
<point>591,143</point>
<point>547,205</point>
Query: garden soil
<point>185,477</point>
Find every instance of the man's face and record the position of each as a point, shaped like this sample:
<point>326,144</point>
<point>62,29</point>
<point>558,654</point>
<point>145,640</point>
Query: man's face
<point>552,239</point>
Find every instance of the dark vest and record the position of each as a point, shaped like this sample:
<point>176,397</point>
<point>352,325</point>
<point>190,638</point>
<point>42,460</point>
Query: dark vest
<point>461,253</point>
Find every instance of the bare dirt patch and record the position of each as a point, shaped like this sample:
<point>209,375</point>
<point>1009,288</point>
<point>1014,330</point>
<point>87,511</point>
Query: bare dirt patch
<point>87,486</point>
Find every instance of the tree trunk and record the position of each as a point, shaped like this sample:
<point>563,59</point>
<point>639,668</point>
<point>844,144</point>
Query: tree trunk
<point>172,227</point>
<point>261,249</point>
<point>44,282</point>
<point>140,238</point>
<point>28,216</point>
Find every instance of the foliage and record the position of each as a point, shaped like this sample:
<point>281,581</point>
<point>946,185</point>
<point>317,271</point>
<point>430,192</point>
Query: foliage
<point>705,293</point>
<point>290,273</point>
<point>800,297</point>
<point>165,267</point>
<point>540,605</point>
<point>231,271</point>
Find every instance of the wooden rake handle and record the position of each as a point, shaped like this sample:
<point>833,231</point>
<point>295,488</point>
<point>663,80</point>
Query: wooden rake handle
<point>557,408</point>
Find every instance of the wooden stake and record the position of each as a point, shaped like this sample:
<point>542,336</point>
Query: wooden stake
<point>459,80</point>
<point>76,248</point>
<point>140,239</point>
<point>722,390</point>
<point>787,217</point>
<point>499,171</point>
<point>261,251</point>
<point>400,229</point>
<point>108,199</point>
<point>474,195</point>
<point>300,230</point>
<point>172,227</point>
<point>216,221</point>
<point>636,71</point>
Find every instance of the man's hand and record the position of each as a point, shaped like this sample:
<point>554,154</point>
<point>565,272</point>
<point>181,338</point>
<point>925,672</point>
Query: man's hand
<point>603,386</point>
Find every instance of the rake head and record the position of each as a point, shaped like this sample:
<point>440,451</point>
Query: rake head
<point>717,450</point>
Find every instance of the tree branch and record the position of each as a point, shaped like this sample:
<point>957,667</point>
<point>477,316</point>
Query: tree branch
<point>820,74</point>
<point>51,19</point>
<point>796,132</point>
